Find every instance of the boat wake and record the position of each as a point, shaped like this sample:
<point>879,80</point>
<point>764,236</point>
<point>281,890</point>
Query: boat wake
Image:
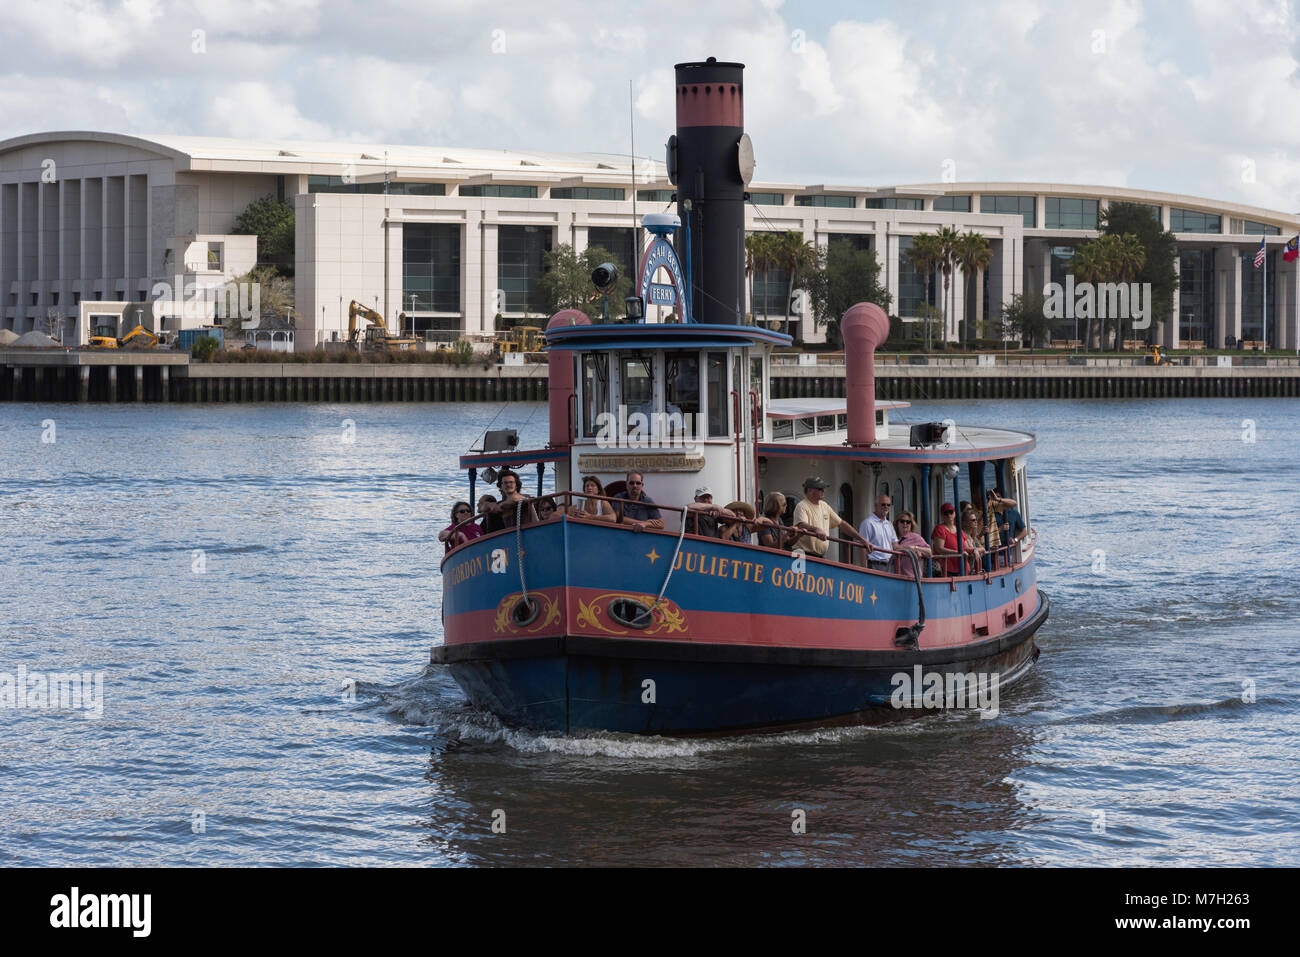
<point>1158,714</point>
<point>432,700</point>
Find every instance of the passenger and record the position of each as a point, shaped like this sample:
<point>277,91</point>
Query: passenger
<point>972,534</point>
<point>817,518</point>
<point>908,537</point>
<point>736,530</point>
<point>944,541</point>
<point>545,508</point>
<point>772,530</point>
<point>994,506</point>
<point>454,536</point>
<point>596,508</point>
<point>635,507</point>
<point>511,496</point>
<point>702,515</point>
<point>876,529</point>
<point>491,520</point>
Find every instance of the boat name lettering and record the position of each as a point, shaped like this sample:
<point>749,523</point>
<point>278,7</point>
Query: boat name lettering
<point>640,463</point>
<point>759,574</point>
<point>467,570</point>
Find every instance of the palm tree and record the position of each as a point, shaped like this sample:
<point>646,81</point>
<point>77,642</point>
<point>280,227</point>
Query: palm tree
<point>949,244</point>
<point>759,256</point>
<point>796,256</point>
<point>924,255</point>
<point>1129,258</point>
<point>1089,265</point>
<point>974,255</point>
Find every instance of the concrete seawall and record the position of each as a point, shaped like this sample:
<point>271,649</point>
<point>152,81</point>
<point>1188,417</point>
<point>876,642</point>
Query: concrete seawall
<point>58,376</point>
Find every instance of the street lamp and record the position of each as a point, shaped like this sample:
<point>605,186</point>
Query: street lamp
<point>413,298</point>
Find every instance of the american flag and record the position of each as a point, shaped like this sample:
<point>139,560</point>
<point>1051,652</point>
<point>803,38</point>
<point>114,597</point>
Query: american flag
<point>1259,254</point>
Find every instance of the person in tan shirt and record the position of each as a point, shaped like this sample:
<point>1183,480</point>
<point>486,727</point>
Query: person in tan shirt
<point>817,518</point>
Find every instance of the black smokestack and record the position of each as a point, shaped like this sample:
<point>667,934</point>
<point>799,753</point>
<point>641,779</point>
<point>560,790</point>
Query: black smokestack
<point>710,123</point>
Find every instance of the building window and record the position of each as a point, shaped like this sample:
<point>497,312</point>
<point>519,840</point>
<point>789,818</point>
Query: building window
<point>587,192</point>
<point>1153,210</point>
<point>858,241</point>
<point>430,270</point>
<point>279,188</point>
<point>1196,294</point>
<point>619,242</point>
<point>912,286</point>
<point>952,204</point>
<point>1249,227</point>
<point>1193,221</point>
<point>771,291</point>
<point>1252,296</point>
<point>335,184</point>
<point>719,427</point>
<point>767,199</point>
<point>1063,213</point>
<point>821,199</point>
<point>895,202</point>
<point>1010,205</point>
<point>655,195</point>
<point>520,252</point>
<point>504,192</point>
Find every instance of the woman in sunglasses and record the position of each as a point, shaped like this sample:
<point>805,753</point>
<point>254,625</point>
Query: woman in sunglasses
<point>908,537</point>
<point>462,528</point>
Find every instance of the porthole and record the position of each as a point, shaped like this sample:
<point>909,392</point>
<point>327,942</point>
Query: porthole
<point>630,613</point>
<point>524,612</point>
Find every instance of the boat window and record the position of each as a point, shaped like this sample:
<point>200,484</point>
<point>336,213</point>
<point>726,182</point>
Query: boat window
<point>636,373</point>
<point>900,506</point>
<point>637,379</point>
<point>825,423</point>
<point>595,391</point>
<point>846,504</point>
<point>756,386</point>
<point>841,422</point>
<point>782,428</point>
<point>915,510</point>
<point>805,426</point>
<point>717,369</point>
<point>682,391</point>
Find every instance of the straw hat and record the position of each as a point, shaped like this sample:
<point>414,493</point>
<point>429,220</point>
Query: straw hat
<point>742,508</point>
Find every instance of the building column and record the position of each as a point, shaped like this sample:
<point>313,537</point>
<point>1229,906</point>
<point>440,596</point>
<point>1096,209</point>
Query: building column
<point>493,298</point>
<point>112,383</point>
<point>83,383</point>
<point>165,374</point>
<point>1169,335</point>
<point>1232,317</point>
<point>471,272</point>
<point>139,383</point>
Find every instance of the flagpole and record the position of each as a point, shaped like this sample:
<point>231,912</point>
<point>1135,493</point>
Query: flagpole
<point>1263,313</point>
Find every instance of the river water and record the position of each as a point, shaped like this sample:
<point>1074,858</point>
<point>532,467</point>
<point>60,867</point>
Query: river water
<point>259,587</point>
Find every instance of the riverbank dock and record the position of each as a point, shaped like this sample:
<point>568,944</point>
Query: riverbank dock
<point>71,375</point>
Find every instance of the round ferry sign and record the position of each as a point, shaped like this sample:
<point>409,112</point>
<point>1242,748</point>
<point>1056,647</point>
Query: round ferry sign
<point>662,255</point>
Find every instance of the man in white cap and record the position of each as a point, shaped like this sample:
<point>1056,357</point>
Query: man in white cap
<point>817,518</point>
<point>703,515</point>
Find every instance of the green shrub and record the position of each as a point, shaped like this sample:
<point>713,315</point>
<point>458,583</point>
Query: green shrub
<point>203,348</point>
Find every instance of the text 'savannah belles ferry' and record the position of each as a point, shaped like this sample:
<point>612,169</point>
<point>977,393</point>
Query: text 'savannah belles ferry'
<point>570,622</point>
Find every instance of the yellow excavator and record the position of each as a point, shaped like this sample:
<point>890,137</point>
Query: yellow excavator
<point>138,337</point>
<point>518,339</point>
<point>376,334</point>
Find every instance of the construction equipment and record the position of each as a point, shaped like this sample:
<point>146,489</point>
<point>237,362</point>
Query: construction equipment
<point>1155,357</point>
<point>139,337</point>
<point>376,335</point>
<point>519,339</point>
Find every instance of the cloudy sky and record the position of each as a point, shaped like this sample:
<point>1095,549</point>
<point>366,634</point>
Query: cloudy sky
<point>1188,96</point>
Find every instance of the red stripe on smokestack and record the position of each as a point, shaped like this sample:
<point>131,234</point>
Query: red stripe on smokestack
<point>560,373</point>
<point>710,104</point>
<point>863,327</point>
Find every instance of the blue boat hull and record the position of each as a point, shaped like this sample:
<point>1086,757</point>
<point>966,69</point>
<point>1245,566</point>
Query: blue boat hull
<point>568,684</point>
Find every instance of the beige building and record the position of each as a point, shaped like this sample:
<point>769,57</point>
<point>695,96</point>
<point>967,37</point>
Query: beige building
<point>452,238</point>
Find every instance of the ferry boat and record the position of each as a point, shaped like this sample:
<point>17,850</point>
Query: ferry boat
<point>573,623</point>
